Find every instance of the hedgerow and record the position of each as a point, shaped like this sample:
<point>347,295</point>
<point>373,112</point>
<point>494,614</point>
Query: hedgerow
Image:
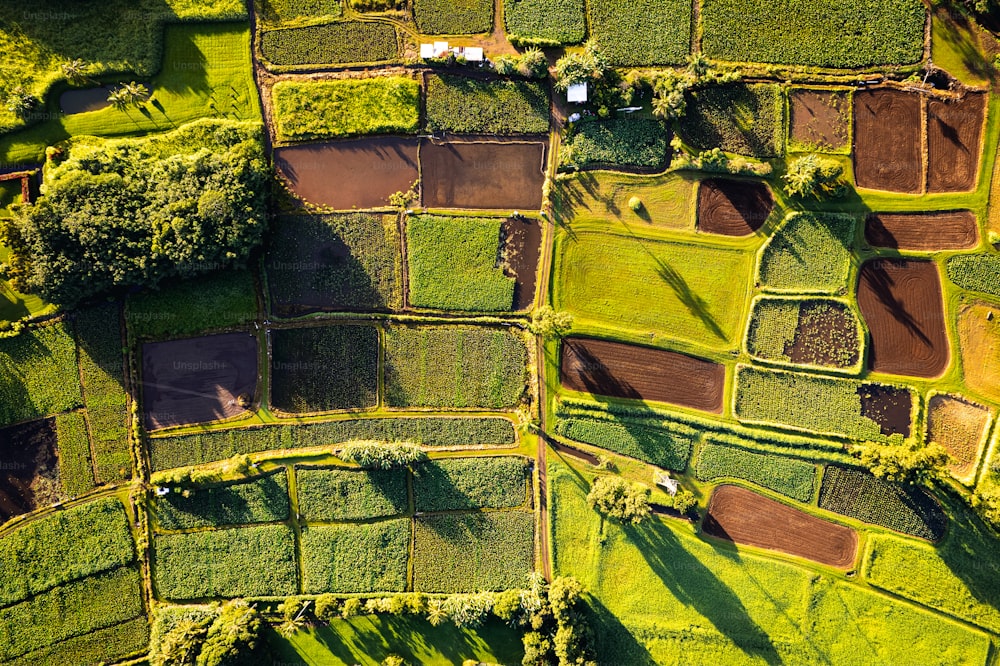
<point>101,646</point>
<point>562,21</point>
<point>63,547</point>
<point>327,494</point>
<point>320,109</point>
<point>665,444</point>
<point>242,562</point>
<point>641,32</point>
<point>976,272</point>
<point>496,482</point>
<point>331,44</point>
<point>494,106</point>
<point>471,552</point>
<point>75,469</point>
<point>453,264</point>
<point>38,373</point>
<point>260,500</point>
<point>858,494</point>
<point>823,33</point>
<point>370,557</point>
<point>747,119</point>
<point>618,142</point>
<point>324,368</point>
<point>794,478</point>
<point>436,366</point>
<point>809,332</point>
<point>281,11</point>
<point>811,252</point>
<point>453,17</point>
<point>196,449</point>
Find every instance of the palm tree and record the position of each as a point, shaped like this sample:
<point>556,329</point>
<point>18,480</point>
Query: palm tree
<point>118,99</point>
<point>436,613</point>
<point>75,71</point>
<point>136,93</point>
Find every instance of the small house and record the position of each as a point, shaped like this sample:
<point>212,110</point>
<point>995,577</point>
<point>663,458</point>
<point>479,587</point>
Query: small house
<point>577,93</point>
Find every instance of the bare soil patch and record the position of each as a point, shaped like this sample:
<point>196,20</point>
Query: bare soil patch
<point>826,335</point>
<point>29,472</point>
<point>522,247</point>
<point>741,516</point>
<point>954,128</point>
<point>979,342</point>
<point>733,207</point>
<point>504,176</point>
<point>198,379</point>
<point>621,370</point>
<point>960,426</point>
<point>890,407</point>
<point>887,150</point>
<point>901,301</point>
<point>820,119</point>
<point>87,99</point>
<point>359,173</point>
<point>947,230</point>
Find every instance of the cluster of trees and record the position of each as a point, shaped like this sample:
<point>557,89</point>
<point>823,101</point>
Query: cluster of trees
<point>904,461</point>
<point>816,177</point>
<point>531,64</point>
<point>628,503</point>
<point>382,455</point>
<point>671,88</point>
<point>222,636</point>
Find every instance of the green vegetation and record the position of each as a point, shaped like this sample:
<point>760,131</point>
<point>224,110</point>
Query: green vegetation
<point>76,472</point>
<point>496,482</point>
<point>828,33</point>
<point>668,200</point>
<point>453,367</point>
<point>642,32</point>
<point>199,448</point>
<point>788,476</point>
<point>663,444</point>
<point>220,300</point>
<point>324,368</point>
<point>100,646</point>
<point>814,332</point>
<point>260,500</point>
<point>561,21</point>
<point>858,494</point>
<point>814,177</point>
<point>473,552</point>
<point>371,557</point>
<point>38,373</point>
<point>911,461</point>
<point>321,109</point>
<point>976,272</point>
<point>243,562</point>
<point>747,119</point>
<point>467,106</point>
<point>382,455</point>
<point>286,11</point>
<point>453,17</point>
<point>349,262</point>
<point>453,264</point>
<point>811,252</point>
<point>331,44</point>
<point>808,402</point>
<point>618,142</point>
<point>616,498</point>
<point>327,494</point>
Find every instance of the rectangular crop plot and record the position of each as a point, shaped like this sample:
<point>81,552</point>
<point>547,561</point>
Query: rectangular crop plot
<point>453,17</point>
<point>492,176</point>
<point>440,366</point>
<point>328,494</point>
<point>747,119</point>
<point>106,645</point>
<point>494,482</point>
<point>38,373</point>
<point>356,558</point>
<point>788,476</point>
<point>641,143</point>
<point>819,120</point>
<point>809,253</point>
<point>473,552</point>
<point>641,32</point>
<point>863,411</point>
<point>954,129</point>
<point>280,11</point>
<point>331,44</point>
<point>815,332</point>
<point>562,21</point>
<point>604,367</point>
<point>324,368</point>
<point>476,106</point>
<point>822,33</point>
<point>945,230</point>
<point>32,463</point>
<point>260,500</point>
<point>242,562</point>
<point>887,150</point>
<point>961,427</point>
<point>334,262</point>
<point>665,444</point>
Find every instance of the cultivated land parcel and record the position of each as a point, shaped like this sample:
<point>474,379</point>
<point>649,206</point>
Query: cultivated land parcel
<point>317,348</point>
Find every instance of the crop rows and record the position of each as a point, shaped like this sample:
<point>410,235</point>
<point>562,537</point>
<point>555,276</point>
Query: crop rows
<point>281,11</point>
<point>101,646</point>
<point>75,471</point>
<point>38,374</point>
<point>976,272</point>
<point>370,557</point>
<point>617,142</point>
<point>496,482</point>
<point>225,299</point>
<point>331,44</point>
<point>642,32</point>
<point>666,445</point>
<point>473,106</point>
<point>260,500</point>
<point>794,478</point>
<point>453,17</point>
<point>328,494</point>
<point>562,21</point>
<point>738,118</point>
<point>811,252</point>
<point>813,332</point>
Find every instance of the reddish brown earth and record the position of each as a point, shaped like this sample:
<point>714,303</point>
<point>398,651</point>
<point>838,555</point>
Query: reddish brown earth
<point>887,150</point>
<point>888,406</point>
<point>502,176</point>
<point>197,379</point>
<point>361,173</point>
<point>741,516</point>
<point>820,118</point>
<point>948,230</point>
<point>621,370</point>
<point>901,301</point>
<point>959,425</point>
<point>954,128</point>
<point>29,469</point>
<point>733,207</point>
<point>522,247</point>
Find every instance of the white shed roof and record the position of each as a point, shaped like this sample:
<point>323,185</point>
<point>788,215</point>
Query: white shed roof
<point>577,93</point>
<point>474,53</point>
<point>426,51</point>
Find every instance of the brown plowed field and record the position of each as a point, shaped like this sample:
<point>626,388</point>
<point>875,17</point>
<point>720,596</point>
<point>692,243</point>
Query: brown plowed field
<point>197,379</point>
<point>741,516</point>
<point>887,151</point>
<point>733,207</point>
<point>820,118</point>
<point>360,173</point>
<point>960,427</point>
<point>954,128</point>
<point>948,230</point>
<point>522,238</point>
<point>29,469</point>
<point>502,176</point>
<point>621,370</point>
<point>902,304</point>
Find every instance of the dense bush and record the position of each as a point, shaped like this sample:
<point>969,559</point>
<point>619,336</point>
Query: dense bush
<point>260,500</point>
<point>327,494</point>
<point>642,32</point>
<point>976,272</point>
<point>476,106</point>
<point>107,221</point>
<point>812,176</point>
<point>38,373</point>
<point>331,44</point>
<point>370,557</point>
<point>75,471</point>
<point>621,142</point>
<point>747,119</point>
<point>811,252</point>
<point>453,17</point>
<point>665,444</point>
<point>382,455</point>
<point>788,476</point>
<point>562,21</point>
<point>495,482</point>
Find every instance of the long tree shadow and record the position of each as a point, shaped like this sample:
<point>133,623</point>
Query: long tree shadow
<point>883,286</point>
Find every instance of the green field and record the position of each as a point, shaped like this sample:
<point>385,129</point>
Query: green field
<point>641,142</point>
<point>336,43</point>
<point>562,21</point>
<point>453,17</point>
<point>641,32</point>
<point>466,106</point>
<point>290,11</point>
<point>327,494</point>
<point>496,482</point>
<point>76,471</point>
<point>788,476</point>
<point>666,444</point>
<point>100,646</point>
<point>976,272</point>
<point>738,118</point>
<point>259,500</point>
<point>38,373</point>
<point>810,253</point>
<point>356,558</point>
<point>668,200</point>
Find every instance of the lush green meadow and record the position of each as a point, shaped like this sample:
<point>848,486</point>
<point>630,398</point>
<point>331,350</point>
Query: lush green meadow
<point>811,252</point>
<point>38,373</point>
<point>330,44</point>
<point>562,21</point>
<point>668,200</point>
<point>453,17</point>
<point>370,557</point>
<point>259,500</point>
<point>788,476</point>
<point>476,106</point>
<point>496,482</point>
<point>620,142</point>
<point>641,32</point>
<point>217,301</point>
<point>327,494</point>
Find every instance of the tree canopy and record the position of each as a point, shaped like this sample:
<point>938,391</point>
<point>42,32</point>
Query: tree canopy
<point>616,498</point>
<point>906,462</point>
